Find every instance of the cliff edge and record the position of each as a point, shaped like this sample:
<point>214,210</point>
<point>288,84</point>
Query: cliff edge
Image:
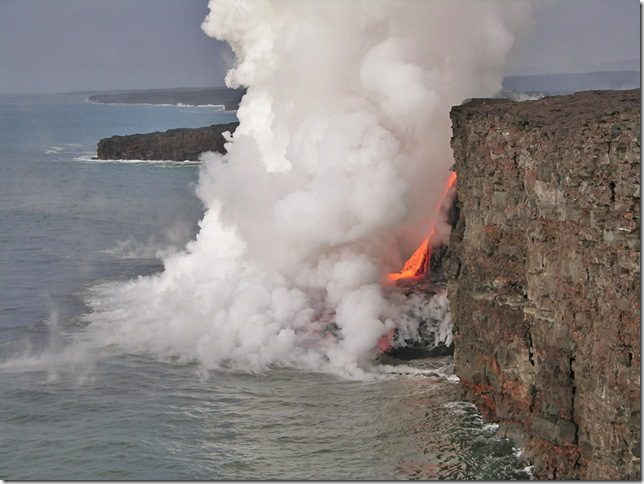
<point>544,276</point>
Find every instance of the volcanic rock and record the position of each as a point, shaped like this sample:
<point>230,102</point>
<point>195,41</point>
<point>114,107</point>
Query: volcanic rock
<point>175,144</point>
<point>544,276</point>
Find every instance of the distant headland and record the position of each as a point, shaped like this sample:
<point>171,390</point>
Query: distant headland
<point>188,96</point>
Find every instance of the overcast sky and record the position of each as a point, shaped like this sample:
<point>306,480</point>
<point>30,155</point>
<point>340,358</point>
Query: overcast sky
<point>580,36</point>
<point>72,45</point>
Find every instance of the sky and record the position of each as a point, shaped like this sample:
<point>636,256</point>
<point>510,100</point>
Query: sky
<point>579,36</point>
<point>73,45</point>
<point>79,45</point>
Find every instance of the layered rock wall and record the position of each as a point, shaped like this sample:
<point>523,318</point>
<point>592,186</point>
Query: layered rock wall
<point>175,144</point>
<point>544,269</point>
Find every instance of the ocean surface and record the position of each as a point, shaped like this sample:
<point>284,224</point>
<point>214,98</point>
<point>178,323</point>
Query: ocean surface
<point>68,223</point>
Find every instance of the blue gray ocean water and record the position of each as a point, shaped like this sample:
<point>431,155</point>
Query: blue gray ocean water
<point>68,223</point>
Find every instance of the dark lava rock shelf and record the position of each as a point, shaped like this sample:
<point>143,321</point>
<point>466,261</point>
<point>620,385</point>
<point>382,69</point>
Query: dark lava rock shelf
<point>183,144</point>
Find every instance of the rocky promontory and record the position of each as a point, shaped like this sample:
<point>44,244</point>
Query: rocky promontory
<point>175,144</point>
<point>544,276</point>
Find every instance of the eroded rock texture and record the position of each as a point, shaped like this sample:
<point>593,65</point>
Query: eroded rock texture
<point>544,269</point>
<point>175,144</point>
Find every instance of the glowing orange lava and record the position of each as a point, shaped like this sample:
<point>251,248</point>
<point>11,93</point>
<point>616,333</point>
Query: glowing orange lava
<point>418,264</point>
<point>451,183</point>
<point>386,342</point>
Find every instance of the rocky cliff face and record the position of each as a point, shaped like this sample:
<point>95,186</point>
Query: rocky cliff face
<point>544,268</point>
<point>175,144</point>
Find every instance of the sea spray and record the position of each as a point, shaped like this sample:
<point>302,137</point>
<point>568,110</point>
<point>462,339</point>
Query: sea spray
<point>328,183</point>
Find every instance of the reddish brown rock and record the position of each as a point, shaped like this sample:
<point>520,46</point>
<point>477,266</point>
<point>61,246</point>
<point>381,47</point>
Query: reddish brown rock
<point>544,269</point>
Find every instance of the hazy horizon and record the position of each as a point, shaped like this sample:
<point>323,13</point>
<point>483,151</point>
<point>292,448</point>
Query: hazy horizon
<point>90,45</point>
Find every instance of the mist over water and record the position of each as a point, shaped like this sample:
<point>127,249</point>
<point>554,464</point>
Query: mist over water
<point>329,182</point>
<point>136,343</point>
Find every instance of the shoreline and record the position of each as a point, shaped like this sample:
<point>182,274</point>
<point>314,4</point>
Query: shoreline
<point>219,107</point>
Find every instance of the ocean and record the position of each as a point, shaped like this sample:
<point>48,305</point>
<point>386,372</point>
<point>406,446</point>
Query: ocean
<point>69,223</point>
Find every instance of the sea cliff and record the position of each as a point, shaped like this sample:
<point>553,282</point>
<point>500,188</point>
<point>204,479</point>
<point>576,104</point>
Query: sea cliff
<point>544,276</point>
<point>175,144</point>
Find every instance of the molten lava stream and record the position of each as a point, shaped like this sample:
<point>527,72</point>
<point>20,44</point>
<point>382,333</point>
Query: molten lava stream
<point>418,264</point>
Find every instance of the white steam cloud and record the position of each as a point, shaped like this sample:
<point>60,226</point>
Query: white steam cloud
<point>330,181</point>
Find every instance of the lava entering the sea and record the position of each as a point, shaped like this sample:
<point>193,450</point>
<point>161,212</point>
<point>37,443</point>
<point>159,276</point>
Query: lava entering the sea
<point>417,265</point>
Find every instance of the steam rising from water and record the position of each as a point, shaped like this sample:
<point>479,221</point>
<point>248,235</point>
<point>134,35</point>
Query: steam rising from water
<point>329,181</point>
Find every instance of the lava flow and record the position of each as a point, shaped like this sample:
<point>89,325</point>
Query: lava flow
<point>418,264</point>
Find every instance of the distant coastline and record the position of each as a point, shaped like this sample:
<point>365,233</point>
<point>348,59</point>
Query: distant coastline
<point>568,83</point>
<point>221,107</point>
<point>226,98</point>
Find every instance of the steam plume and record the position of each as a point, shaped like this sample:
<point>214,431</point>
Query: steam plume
<point>329,181</point>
